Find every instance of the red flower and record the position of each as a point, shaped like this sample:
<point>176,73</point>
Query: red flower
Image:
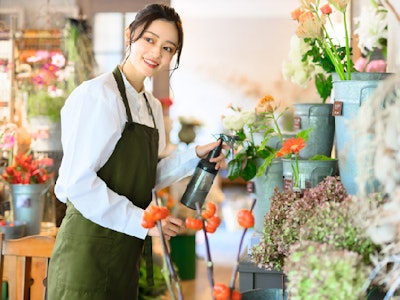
<point>26,170</point>
<point>326,9</point>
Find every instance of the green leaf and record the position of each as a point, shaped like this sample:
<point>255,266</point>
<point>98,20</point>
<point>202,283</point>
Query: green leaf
<point>304,134</point>
<point>234,169</point>
<point>249,171</point>
<point>321,157</point>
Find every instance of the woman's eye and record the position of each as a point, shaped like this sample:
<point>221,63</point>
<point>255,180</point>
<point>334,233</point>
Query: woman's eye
<point>169,49</point>
<point>149,40</point>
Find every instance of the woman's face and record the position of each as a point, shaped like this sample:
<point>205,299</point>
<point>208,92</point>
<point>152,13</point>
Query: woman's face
<point>154,50</point>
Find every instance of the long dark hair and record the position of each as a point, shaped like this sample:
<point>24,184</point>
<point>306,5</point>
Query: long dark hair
<point>154,12</point>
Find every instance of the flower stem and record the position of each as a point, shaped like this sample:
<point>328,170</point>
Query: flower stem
<point>167,258</point>
<point>348,61</point>
<point>210,265</point>
<point>236,267</point>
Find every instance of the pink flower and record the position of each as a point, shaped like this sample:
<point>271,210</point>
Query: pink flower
<point>376,66</point>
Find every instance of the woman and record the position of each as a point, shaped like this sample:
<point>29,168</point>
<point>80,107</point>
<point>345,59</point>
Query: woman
<point>112,133</point>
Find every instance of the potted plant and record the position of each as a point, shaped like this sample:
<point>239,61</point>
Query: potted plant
<point>258,138</point>
<point>29,180</point>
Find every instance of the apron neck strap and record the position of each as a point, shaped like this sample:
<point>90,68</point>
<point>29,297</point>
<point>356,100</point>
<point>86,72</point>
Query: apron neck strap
<point>121,87</point>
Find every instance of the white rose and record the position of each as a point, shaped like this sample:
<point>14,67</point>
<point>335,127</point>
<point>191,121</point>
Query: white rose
<point>248,117</point>
<point>233,122</point>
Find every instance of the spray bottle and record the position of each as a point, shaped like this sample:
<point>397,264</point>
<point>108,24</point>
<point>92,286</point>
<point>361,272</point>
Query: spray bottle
<point>203,176</point>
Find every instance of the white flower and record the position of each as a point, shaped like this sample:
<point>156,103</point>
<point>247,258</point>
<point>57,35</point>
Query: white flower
<point>248,117</point>
<point>371,28</point>
<point>296,70</point>
<point>233,122</point>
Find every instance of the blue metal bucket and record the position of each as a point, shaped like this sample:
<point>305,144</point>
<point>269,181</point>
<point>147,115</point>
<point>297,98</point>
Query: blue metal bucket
<point>350,95</point>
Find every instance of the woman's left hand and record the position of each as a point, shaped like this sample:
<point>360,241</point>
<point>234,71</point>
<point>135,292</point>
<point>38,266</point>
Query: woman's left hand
<point>220,161</point>
<point>170,227</point>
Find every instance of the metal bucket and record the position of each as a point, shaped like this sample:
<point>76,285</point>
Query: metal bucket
<point>265,294</point>
<point>264,186</point>
<point>319,117</point>
<point>349,95</point>
<point>27,205</point>
<point>312,172</point>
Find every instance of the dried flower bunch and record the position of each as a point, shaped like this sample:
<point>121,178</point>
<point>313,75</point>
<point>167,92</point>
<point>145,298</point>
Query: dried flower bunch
<point>377,126</point>
<point>288,213</point>
<point>321,271</point>
<point>255,130</point>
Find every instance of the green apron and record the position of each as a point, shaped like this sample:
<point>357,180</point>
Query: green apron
<point>97,263</point>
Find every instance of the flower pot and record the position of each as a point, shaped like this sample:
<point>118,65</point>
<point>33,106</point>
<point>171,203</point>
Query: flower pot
<point>27,205</point>
<point>183,254</point>
<point>319,117</point>
<point>264,186</point>
<point>312,172</point>
<point>265,294</point>
<point>349,95</point>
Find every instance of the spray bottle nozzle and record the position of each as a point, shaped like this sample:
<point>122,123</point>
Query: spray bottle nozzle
<point>230,140</point>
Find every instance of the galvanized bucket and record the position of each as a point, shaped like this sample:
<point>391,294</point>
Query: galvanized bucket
<point>312,172</point>
<point>264,186</point>
<point>27,205</point>
<point>349,95</point>
<point>317,116</point>
<point>265,294</point>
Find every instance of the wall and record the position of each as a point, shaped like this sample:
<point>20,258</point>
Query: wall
<point>232,54</point>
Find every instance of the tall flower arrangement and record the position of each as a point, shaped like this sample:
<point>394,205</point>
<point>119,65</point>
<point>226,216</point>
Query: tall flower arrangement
<point>318,49</point>
<point>316,26</point>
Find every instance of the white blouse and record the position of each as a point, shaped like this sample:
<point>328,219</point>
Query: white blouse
<point>92,120</point>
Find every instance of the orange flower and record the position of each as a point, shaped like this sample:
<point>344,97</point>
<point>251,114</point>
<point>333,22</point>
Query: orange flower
<point>309,26</point>
<point>264,104</point>
<point>296,13</point>
<point>293,145</point>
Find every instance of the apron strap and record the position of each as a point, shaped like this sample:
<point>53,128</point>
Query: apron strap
<point>147,247</point>
<point>148,256</point>
<point>121,87</point>
<point>150,110</point>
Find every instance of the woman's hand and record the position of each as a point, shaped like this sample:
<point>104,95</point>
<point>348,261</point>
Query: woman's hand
<point>170,227</point>
<point>203,150</point>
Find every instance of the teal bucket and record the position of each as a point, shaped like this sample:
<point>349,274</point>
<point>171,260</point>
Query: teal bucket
<point>183,254</point>
<point>312,172</point>
<point>350,95</point>
<point>264,186</point>
<point>265,294</point>
<point>28,204</point>
<point>317,116</point>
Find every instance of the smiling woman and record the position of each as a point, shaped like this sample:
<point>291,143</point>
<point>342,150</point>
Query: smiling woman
<point>118,128</point>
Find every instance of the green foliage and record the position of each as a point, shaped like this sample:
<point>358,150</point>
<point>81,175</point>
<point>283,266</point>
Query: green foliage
<point>155,292</point>
<point>323,81</point>
<point>40,103</point>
